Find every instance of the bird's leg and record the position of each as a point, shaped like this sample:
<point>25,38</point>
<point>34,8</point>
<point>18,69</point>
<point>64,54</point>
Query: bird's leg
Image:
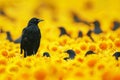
<point>34,52</point>
<point>25,53</point>
<point>21,51</point>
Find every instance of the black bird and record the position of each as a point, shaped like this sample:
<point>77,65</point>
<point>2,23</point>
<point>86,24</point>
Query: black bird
<point>31,37</point>
<point>97,28</point>
<point>46,54</point>
<point>9,36</point>
<point>18,40</point>
<point>71,54</point>
<point>63,31</point>
<point>78,20</point>
<point>89,52</point>
<point>89,35</point>
<point>116,25</point>
<point>80,34</point>
<point>117,55</point>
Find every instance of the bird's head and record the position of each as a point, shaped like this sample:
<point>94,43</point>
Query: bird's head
<point>35,21</point>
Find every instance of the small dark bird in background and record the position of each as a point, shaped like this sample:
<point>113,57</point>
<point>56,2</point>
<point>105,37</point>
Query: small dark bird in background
<point>80,34</point>
<point>9,36</point>
<point>97,29</point>
<point>46,54</point>
<point>2,13</point>
<point>18,40</point>
<point>89,52</point>
<point>78,20</point>
<point>31,36</point>
<point>71,54</point>
<point>1,31</point>
<point>63,31</point>
<point>117,55</point>
<point>116,25</point>
<point>89,35</point>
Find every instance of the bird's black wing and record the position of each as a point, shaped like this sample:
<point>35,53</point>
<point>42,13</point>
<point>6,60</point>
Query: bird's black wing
<point>37,43</point>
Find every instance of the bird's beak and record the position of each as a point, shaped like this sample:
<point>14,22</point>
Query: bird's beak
<point>40,20</point>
